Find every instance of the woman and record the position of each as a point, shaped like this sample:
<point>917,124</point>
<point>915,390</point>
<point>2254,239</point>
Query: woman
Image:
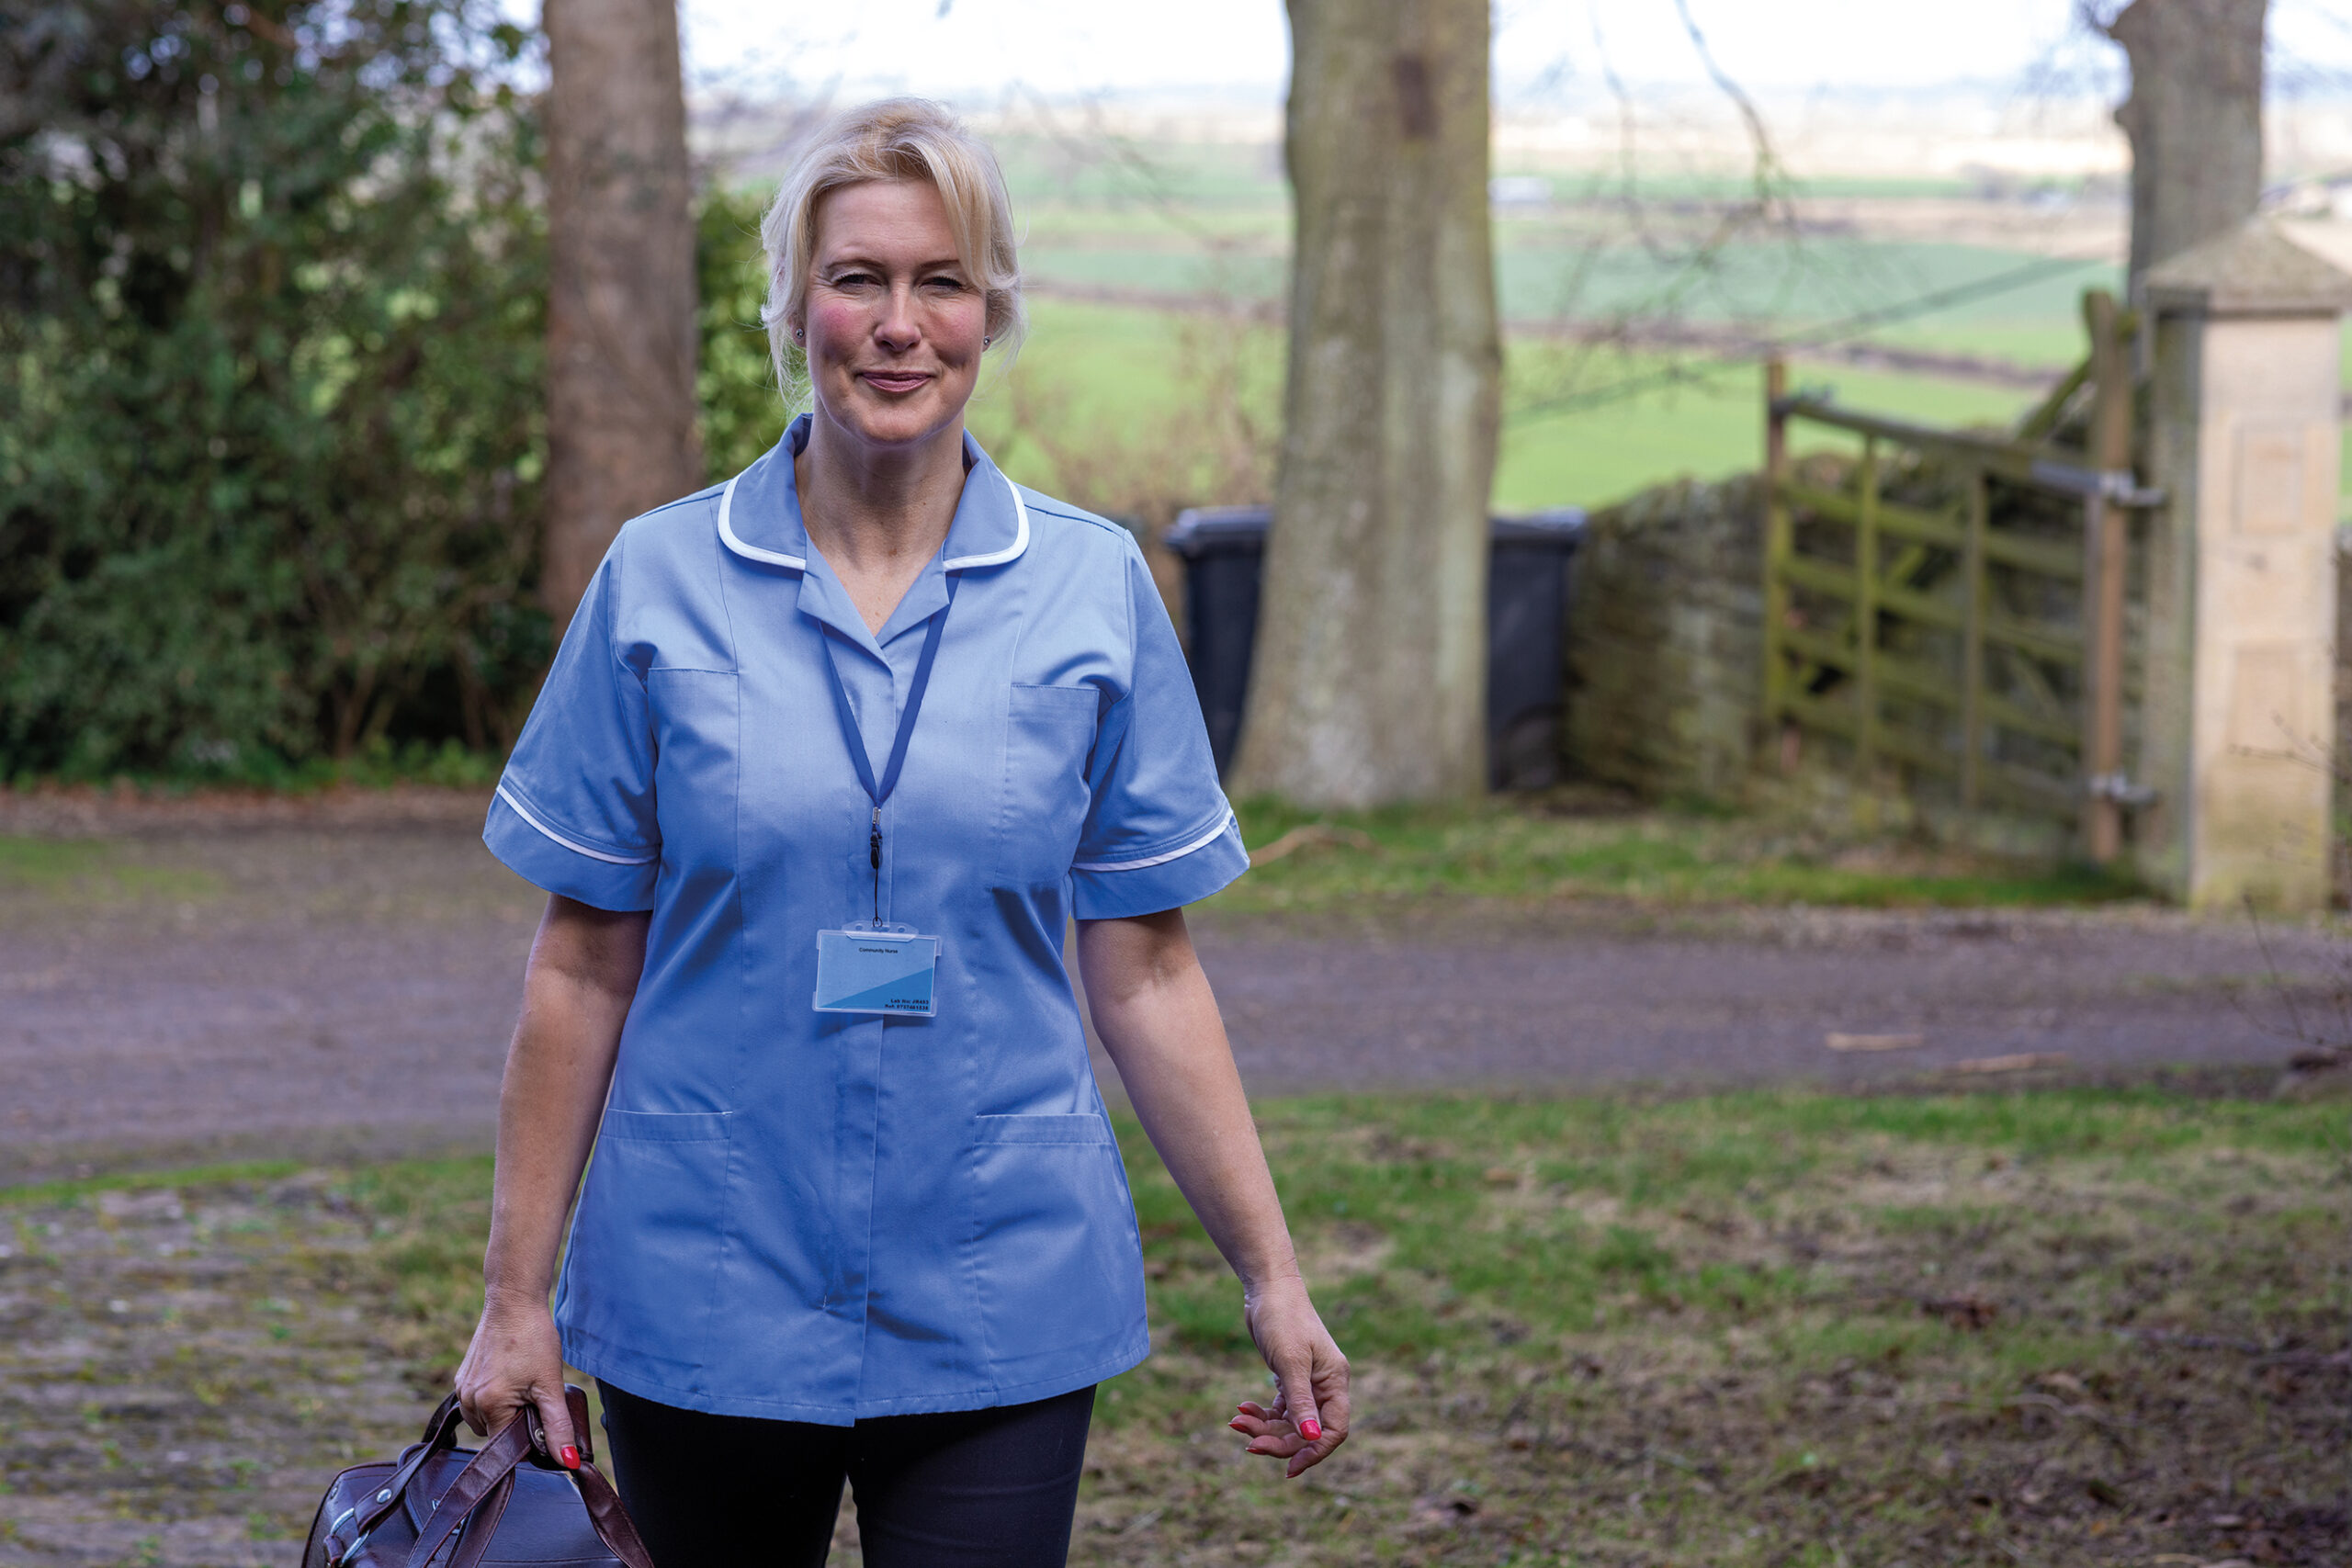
<point>829,756</point>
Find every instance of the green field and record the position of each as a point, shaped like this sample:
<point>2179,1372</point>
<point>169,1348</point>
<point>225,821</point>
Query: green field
<point>1152,378</point>
<point>1115,407</point>
<point>1128,405</point>
<point>2056,1326</point>
<point>1189,219</point>
<point>1128,400</point>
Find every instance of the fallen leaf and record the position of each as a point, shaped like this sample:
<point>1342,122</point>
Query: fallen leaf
<point>1838,1041</point>
<point>2023,1062</point>
<point>1447,1510</point>
<point>1307,834</point>
<point>1962,1312</point>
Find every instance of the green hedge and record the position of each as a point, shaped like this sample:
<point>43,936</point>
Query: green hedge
<point>270,319</point>
<point>269,381</point>
<point>272,300</point>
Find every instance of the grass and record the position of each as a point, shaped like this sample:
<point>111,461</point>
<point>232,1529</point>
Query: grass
<point>1779,1328</point>
<point>1425,858</point>
<point>2057,1325</point>
<point>93,869</point>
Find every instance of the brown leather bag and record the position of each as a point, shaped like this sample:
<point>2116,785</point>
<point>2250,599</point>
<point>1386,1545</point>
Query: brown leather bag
<point>439,1505</point>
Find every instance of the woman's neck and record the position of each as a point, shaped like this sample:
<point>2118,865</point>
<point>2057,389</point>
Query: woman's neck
<point>877,515</point>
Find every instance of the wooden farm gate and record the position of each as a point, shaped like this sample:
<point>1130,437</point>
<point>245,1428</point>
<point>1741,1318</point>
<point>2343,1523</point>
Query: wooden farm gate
<point>1955,603</point>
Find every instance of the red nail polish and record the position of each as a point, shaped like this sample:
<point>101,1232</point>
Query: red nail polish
<point>1311,1429</point>
<point>571,1457</point>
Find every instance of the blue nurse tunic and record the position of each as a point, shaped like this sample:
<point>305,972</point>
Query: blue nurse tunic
<point>824,1217</point>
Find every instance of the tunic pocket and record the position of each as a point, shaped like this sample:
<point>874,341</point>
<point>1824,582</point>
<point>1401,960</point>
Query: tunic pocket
<point>640,1276</point>
<point>1057,1261</point>
<point>1049,736</point>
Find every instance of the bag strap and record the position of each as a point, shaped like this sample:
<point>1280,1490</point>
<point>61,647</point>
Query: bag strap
<point>485,1486</point>
<point>506,1448</point>
<point>575,1403</point>
<point>473,1540</point>
<point>614,1526</point>
<point>440,1432</point>
<point>442,1424</point>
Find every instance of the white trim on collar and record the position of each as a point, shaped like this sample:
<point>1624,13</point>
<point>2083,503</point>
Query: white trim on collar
<point>1019,538</point>
<point>750,552</point>
<point>800,563</point>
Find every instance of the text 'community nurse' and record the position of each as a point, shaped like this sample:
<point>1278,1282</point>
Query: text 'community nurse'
<point>828,758</point>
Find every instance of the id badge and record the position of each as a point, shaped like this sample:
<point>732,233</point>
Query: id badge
<point>878,968</point>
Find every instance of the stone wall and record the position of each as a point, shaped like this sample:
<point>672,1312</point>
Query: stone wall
<point>1664,649</point>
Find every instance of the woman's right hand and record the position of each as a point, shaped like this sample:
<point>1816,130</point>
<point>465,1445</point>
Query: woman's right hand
<point>516,1358</point>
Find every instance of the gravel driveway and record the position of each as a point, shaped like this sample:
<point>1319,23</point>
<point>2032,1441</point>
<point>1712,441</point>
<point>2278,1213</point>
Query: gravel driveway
<point>337,977</point>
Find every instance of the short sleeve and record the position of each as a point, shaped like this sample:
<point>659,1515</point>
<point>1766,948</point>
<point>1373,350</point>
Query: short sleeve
<point>1159,834</point>
<point>574,809</point>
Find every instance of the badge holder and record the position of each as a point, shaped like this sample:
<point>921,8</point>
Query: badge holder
<point>874,966</point>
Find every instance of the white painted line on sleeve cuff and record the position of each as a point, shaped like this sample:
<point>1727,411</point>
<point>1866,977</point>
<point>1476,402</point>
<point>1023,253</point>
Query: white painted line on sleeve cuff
<point>1204,841</point>
<point>520,810</point>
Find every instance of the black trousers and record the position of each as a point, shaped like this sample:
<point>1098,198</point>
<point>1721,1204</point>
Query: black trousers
<point>969,1489</point>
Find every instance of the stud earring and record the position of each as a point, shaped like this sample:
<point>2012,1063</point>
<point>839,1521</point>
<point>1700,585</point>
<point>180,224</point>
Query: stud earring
<point>986,341</point>
<point>799,336</point>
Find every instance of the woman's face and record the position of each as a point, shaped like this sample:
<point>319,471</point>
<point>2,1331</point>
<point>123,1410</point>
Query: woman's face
<point>894,322</point>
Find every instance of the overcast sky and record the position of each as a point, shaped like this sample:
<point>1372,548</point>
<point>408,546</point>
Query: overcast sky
<point>980,47</point>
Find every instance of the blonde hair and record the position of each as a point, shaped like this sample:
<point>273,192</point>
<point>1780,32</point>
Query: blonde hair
<point>895,138</point>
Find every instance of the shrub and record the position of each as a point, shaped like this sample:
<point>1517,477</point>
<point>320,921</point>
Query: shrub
<point>271,433</point>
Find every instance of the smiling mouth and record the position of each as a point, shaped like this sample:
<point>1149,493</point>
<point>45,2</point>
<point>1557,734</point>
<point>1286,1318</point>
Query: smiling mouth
<point>894,380</point>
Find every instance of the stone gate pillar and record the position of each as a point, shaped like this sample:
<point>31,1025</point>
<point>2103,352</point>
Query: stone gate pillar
<point>2238,717</point>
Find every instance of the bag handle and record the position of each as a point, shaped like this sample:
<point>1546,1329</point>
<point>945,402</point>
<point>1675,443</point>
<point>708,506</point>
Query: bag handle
<point>440,1432</point>
<point>441,1426</point>
<point>473,1540</point>
<point>614,1526</point>
<point>575,1404</point>
<point>494,1463</point>
<point>487,1483</point>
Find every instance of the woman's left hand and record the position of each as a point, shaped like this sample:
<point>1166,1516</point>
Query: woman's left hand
<point>1309,1416</point>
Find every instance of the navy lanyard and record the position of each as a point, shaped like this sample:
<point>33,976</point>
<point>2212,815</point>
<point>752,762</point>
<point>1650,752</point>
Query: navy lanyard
<point>855,739</point>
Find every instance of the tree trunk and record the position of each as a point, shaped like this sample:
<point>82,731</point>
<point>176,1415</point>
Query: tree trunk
<point>1369,680</point>
<point>621,293</point>
<point>2194,119</point>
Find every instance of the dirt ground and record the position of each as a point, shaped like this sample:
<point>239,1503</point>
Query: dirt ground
<point>2106,1342</point>
<point>335,977</point>
<point>1760,1331</point>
